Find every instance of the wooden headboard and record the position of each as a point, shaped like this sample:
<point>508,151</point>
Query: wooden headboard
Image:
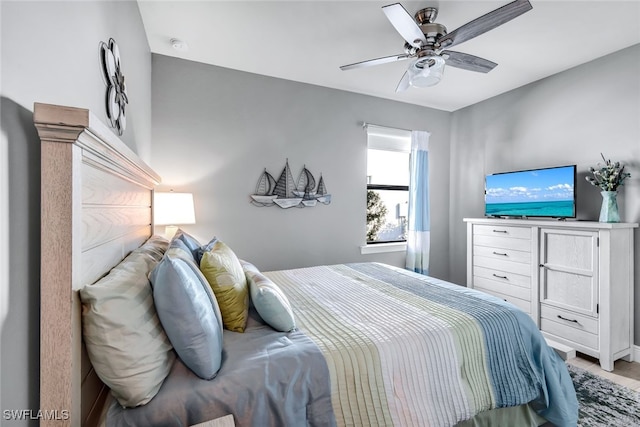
<point>96,207</point>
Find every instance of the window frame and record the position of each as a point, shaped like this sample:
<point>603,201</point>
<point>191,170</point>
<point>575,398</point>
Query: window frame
<point>391,188</point>
<point>389,139</point>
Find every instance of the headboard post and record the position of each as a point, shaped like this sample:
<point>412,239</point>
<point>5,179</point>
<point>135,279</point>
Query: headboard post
<point>60,323</point>
<point>96,206</point>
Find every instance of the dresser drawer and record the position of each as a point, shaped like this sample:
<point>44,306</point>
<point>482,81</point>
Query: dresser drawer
<point>568,333</point>
<point>502,231</point>
<point>524,305</point>
<point>483,283</point>
<point>502,266</point>
<point>502,254</point>
<point>501,276</point>
<point>501,242</point>
<point>569,318</point>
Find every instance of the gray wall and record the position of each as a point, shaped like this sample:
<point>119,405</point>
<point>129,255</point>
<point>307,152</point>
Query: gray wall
<point>569,118</point>
<point>215,130</point>
<point>50,54</point>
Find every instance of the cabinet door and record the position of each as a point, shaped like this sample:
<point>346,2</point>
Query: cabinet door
<point>569,270</point>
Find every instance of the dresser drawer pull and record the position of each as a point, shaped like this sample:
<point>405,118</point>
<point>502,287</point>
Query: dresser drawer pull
<point>500,277</point>
<point>500,231</point>
<point>568,320</point>
<point>500,253</point>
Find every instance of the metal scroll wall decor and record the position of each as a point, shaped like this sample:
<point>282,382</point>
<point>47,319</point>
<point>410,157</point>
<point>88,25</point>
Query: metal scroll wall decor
<point>287,193</point>
<point>116,98</point>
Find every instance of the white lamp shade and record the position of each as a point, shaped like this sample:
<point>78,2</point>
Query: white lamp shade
<point>173,208</point>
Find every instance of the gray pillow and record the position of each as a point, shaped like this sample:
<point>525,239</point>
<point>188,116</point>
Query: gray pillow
<point>189,241</point>
<point>180,245</point>
<point>199,253</point>
<point>189,313</point>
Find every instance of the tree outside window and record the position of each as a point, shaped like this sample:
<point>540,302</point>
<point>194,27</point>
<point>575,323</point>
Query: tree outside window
<point>387,195</point>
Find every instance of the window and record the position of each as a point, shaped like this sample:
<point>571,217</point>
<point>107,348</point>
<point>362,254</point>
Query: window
<point>388,152</point>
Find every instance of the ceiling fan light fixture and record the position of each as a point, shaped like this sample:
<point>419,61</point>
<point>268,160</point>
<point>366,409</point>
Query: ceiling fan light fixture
<point>426,71</point>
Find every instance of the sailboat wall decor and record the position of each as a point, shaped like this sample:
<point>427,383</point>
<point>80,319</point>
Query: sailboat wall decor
<point>287,193</point>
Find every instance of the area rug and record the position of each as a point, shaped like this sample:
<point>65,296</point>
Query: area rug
<point>604,403</point>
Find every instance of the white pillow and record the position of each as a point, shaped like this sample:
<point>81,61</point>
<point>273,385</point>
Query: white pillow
<point>122,332</point>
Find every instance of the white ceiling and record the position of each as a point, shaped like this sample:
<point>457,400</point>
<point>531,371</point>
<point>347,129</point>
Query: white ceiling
<point>307,41</point>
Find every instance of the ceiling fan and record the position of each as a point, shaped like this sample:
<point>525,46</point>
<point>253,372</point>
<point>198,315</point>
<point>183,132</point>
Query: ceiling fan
<point>426,41</point>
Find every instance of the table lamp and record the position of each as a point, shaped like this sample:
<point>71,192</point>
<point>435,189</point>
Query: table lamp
<point>173,209</point>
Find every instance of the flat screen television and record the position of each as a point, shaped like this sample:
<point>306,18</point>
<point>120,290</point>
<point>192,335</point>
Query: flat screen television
<point>547,192</point>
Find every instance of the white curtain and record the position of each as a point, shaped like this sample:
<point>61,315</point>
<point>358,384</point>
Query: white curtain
<point>418,235</point>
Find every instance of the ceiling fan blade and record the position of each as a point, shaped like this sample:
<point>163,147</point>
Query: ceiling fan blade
<point>485,23</point>
<point>404,82</point>
<point>404,24</point>
<point>377,61</point>
<point>467,62</point>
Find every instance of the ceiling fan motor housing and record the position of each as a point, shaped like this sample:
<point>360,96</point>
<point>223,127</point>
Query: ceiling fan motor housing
<point>426,15</point>
<point>433,32</point>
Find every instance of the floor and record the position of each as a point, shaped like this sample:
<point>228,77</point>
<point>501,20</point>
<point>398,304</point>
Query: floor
<point>624,373</point>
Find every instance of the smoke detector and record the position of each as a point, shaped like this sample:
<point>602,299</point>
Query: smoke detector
<point>180,45</point>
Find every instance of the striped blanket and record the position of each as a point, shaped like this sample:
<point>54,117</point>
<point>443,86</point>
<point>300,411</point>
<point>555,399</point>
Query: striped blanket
<point>405,349</point>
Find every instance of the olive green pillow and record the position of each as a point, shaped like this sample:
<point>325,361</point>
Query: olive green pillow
<point>224,273</point>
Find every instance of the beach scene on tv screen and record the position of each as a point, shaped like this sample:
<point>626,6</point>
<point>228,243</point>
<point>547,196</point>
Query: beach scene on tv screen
<point>541,192</point>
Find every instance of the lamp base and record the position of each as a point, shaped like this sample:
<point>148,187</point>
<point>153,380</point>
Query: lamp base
<point>170,231</point>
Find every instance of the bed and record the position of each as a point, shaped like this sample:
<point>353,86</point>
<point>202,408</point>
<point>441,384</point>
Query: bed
<point>374,344</point>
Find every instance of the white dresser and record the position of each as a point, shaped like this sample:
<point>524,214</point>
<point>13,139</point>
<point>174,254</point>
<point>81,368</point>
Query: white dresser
<point>574,278</point>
